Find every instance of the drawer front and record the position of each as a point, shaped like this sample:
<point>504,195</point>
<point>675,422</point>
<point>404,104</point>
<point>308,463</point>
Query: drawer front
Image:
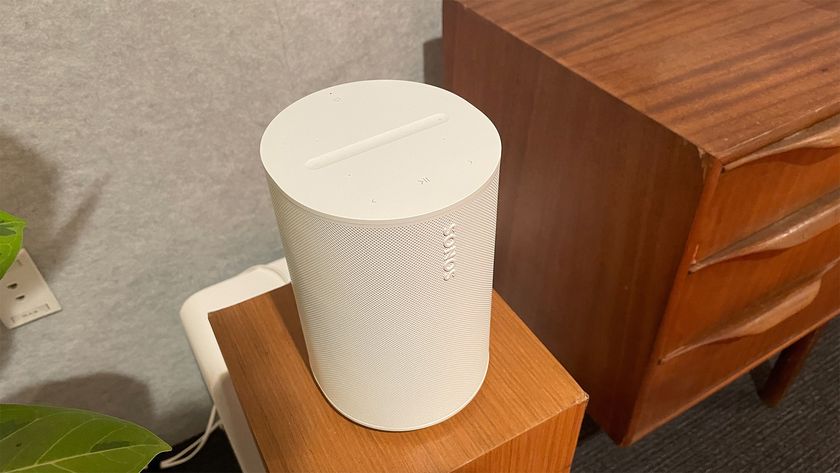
<point>682,381</point>
<point>755,195</point>
<point>748,294</point>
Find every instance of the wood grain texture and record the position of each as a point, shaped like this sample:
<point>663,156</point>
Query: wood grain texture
<point>824,134</point>
<point>673,387</point>
<point>715,296</point>
<point>795,229</point>
<point>763,192</point>
<point>728,76</point>
<point>763,314</point>
<point>618,123</point>
<point>526,416</point>
<point>589,230</point>
<point>544,448</point>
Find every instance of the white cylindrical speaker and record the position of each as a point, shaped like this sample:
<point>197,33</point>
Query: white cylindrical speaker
<point>385,195</point>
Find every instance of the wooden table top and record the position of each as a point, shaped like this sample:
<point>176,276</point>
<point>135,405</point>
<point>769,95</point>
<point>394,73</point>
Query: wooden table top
<point>297,430</point>
<point>728,76</point>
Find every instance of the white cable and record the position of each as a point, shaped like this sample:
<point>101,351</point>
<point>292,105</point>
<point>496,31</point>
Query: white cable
<point>192,449</point>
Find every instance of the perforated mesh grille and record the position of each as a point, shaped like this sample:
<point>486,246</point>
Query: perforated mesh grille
<point>391,342</point>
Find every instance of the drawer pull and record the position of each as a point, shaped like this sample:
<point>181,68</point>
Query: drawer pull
<point>790,231</point>
<point>824,134</point>
<point>763,315</point>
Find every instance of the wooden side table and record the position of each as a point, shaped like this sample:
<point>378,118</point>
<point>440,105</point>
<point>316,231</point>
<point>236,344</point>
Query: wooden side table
<point>525,418</point>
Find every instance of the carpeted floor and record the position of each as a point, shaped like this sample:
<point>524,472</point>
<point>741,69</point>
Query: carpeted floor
<point>731,431</point>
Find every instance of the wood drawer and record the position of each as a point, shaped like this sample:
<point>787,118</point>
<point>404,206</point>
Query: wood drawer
<point>757,194</point>
<point>748,294</point>
<point>671,391</point>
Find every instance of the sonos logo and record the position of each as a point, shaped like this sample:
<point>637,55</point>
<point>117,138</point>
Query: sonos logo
<point>449,252</point>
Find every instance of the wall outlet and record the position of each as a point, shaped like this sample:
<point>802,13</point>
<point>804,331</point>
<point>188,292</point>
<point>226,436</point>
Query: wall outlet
<point>24,295</point>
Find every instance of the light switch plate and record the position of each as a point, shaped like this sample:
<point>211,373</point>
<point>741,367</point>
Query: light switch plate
<point>24,295</point>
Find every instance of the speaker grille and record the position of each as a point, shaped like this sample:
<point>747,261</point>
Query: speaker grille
<point>391,342</point>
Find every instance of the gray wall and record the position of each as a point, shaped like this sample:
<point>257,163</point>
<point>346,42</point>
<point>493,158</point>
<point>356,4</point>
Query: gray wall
<point>129,136</point>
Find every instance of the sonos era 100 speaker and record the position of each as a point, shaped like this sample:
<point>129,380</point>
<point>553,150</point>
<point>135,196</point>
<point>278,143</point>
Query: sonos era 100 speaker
<point>385,195</point>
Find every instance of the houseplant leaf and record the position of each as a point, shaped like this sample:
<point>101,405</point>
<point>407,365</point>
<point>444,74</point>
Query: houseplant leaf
<point>41,439</point>
<point>11,234</point>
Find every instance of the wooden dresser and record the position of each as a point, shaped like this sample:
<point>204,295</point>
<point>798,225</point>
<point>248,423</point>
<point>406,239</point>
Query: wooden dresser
<point>669,207</point>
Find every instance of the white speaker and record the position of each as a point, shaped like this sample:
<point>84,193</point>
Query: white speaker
<point>385,195</point>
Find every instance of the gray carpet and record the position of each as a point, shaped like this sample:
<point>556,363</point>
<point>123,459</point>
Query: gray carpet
<point>733,431</point>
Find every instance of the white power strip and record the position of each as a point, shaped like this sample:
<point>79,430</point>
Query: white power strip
<point>24,294</point>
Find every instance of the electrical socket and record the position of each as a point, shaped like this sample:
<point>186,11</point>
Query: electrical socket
<point>24,295</point>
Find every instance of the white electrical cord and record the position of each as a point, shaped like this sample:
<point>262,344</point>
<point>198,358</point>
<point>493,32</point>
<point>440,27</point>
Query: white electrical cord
<point>192,449</point>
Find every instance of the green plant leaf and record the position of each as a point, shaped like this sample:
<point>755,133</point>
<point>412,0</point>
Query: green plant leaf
<point>11,235</point>
<point>41,439</point>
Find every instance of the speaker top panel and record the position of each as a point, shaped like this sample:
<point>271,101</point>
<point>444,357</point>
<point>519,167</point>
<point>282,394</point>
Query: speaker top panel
<point>380,151</point>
